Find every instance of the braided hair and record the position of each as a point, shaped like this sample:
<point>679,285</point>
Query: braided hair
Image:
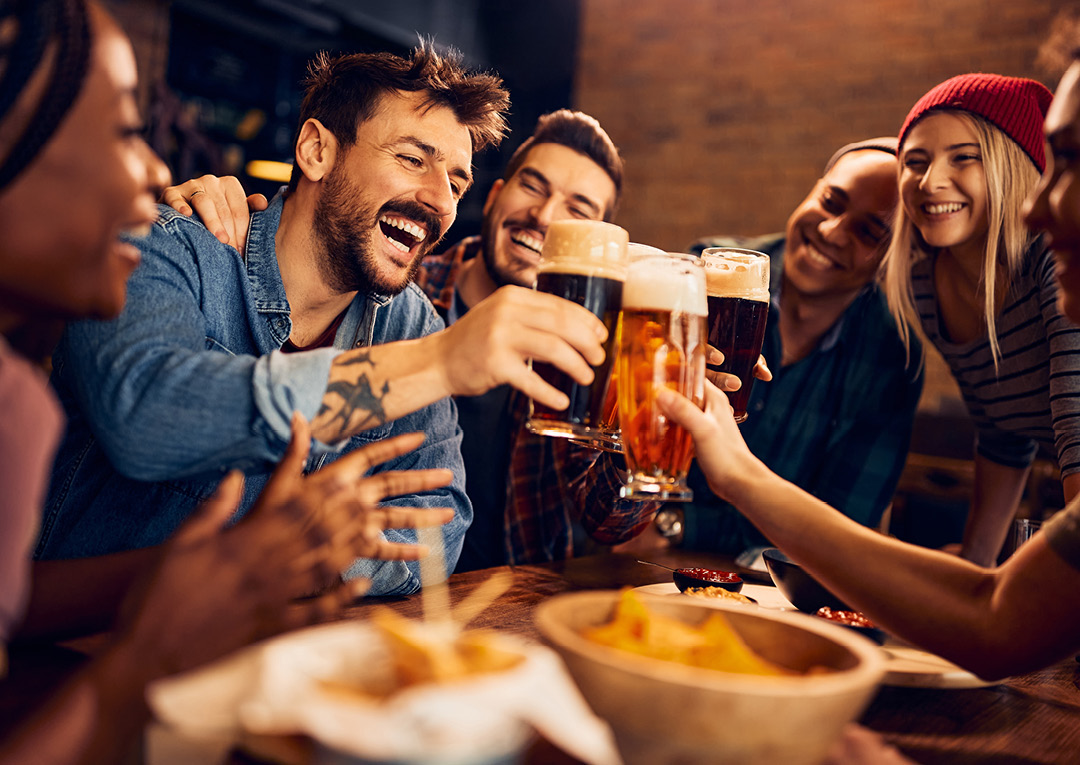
<point>28,28</point>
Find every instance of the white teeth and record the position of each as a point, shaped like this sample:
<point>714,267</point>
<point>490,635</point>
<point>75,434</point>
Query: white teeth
<point>817,258</point>
<point>947,207</point>
<point>407,226</point>
<point>527,240</point>
<point>397,244</point>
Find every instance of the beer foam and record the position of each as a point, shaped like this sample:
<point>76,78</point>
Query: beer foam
<point>737,274</point>
<point>586,247</point>
<point>663,284</point>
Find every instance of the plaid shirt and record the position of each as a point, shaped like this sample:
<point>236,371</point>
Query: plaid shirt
<point>552,484</point>
<point>836,423</point>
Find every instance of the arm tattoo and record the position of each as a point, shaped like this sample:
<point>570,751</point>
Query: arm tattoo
<point>357,398</point>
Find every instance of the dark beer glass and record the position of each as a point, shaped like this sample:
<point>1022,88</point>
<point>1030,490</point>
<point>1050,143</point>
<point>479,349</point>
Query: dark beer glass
<point>584,262</point>
<point>738,285</point>
<point>662,346</point>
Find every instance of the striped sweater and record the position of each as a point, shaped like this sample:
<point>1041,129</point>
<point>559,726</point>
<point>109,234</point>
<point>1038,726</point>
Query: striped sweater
<point>1033,398</point>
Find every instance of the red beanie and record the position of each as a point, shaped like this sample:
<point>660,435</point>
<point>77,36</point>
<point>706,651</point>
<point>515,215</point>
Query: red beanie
<point>1014,105</point>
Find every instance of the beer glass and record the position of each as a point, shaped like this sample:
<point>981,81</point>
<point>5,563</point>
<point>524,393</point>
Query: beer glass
<point>606,437</point>
<point>662,346</point>
<point>737,282</point>
<point>583,261</point>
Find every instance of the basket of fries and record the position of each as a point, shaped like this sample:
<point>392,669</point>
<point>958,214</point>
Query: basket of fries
<point>683,682</point>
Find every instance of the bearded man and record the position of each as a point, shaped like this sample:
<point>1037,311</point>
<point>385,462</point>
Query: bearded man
<point>318,314</point>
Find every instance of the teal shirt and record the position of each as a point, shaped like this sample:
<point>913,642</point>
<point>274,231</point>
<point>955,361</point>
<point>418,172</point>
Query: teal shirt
<point>836,423</point>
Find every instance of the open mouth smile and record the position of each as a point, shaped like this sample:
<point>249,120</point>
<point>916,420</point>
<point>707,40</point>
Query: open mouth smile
<point>402,233</point>
<point>527,240</point>
<point>944,208</point>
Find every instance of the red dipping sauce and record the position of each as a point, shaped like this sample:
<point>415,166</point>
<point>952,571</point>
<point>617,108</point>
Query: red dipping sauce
<point>850,618</point>
<point>708,575</point>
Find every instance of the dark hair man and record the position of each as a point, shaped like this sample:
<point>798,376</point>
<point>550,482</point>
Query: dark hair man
<point>216,349</point>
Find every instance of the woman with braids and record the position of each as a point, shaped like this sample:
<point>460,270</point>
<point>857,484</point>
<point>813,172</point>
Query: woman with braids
<point>68,119</point>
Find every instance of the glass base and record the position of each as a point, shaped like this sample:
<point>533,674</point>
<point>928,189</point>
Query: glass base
<point>650,491</point>
<point>741,418</point>
<point>604,442</point>
<point>560,429</point>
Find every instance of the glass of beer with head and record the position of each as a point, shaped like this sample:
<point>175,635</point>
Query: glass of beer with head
<point>738,285</point>
<point>583,261</point>
<point>662,345</point>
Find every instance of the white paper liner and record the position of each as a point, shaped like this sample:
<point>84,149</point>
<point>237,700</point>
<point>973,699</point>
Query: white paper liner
<point>275,688</point>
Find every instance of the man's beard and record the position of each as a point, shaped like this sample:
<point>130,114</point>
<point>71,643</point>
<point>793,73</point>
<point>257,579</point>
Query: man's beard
<point>344,226</point>
<point>500,276</point>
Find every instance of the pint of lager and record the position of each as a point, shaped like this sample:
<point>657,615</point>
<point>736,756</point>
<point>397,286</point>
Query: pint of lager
<point>738,285</point>
<point>662,345</point>
<point>583,261</point>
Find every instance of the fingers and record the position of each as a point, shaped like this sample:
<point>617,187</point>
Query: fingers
<point>176,196</point>
<point>291,467</point>
<point>723,380</point>
<point>682,411</point>
<point>355,464</point>
<point>713,356</point>
<point>415,517</point>
<point>257,202</point>
<point>213,514</point>
<point>761,369</point>
<point>399,483</point>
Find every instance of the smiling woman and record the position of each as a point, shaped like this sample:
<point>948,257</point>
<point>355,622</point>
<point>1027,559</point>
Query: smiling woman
<point>963,272</point>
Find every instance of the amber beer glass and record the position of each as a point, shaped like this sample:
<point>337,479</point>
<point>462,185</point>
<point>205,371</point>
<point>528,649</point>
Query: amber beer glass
<point>662,346</point>
<point>738,285</point>
<point>583,261</point>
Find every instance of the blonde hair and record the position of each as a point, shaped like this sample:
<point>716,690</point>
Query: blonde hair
<point>1010,177</point>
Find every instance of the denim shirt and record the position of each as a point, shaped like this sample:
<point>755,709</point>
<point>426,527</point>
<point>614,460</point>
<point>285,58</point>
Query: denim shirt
<point>190,382</point>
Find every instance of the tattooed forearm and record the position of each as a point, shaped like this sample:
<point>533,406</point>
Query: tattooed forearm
<point>349,407</point>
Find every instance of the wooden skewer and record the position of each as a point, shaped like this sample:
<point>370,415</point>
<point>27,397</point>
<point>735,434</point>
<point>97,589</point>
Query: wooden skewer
<point>477,601</point>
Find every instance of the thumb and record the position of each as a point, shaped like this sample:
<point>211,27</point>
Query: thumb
<point>213,514</point>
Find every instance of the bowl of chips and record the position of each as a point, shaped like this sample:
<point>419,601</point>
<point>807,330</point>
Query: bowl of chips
<point>685,682</point>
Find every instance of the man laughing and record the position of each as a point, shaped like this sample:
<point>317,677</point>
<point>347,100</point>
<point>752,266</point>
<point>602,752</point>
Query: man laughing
<point>318,314</point>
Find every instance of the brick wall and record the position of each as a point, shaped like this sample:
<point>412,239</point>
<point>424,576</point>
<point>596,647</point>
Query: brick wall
<point>726,110</point>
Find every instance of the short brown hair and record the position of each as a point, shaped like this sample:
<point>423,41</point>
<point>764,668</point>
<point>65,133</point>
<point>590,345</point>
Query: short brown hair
<point>344,91</point>
<point>583,134</point>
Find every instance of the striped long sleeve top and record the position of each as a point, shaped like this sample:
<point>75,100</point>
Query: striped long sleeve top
<point>1033,398</point>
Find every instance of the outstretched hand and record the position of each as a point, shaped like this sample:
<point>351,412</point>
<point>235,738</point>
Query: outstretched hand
<point>220,203</point>
<point>719,447</point>
<point>219,587</point>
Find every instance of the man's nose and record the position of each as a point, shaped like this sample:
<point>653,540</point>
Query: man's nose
<point>545,211</point>
<point>438,195</point>
<point>833,230</point>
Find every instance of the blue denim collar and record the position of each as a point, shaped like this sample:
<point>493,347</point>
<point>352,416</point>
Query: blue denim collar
<point>261,256</point>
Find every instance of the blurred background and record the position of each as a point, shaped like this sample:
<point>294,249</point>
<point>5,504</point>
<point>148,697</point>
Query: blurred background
<point>725,110</point>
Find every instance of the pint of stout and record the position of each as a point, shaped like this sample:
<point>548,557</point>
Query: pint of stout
<point>738,285</point>
<point>585,262</point>
<point>662,345</point>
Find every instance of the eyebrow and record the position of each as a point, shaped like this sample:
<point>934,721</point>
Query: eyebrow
<point>540,178</point>
<point>437,155</point>
<point>847,198</point>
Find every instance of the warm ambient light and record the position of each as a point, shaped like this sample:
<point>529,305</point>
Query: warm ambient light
<point>269,171</point>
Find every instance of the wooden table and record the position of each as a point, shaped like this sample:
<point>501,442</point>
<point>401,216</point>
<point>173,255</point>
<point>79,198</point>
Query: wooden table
<point>1033,718</point>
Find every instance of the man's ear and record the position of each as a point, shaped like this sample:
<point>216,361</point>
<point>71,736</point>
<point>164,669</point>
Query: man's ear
<point>316,150</point>
<point>495,189</point>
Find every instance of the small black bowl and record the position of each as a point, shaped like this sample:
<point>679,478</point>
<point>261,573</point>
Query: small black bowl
<point>804,592</point>
<point>703,577</point>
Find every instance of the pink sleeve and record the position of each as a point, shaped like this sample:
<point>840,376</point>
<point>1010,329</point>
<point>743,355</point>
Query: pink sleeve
<point>30,426</point>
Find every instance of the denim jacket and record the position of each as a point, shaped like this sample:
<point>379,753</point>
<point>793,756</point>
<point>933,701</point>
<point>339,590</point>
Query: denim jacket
<point>189,382</point>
